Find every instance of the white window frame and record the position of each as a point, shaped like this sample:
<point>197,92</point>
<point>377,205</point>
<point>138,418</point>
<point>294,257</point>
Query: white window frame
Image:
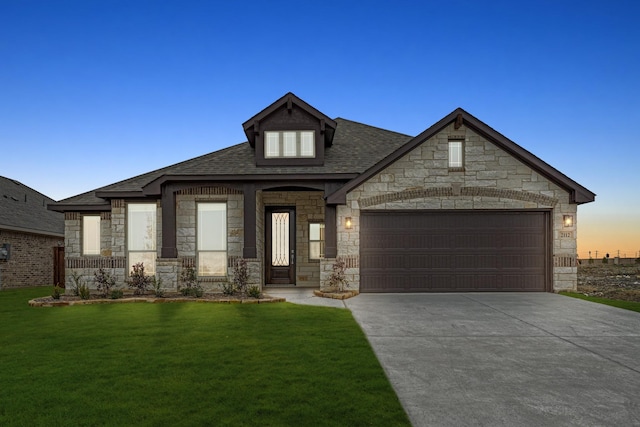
<point>145,250</point>
<point>456,154</point>
<point>205,247</point>
<point>320,240</point>
<point>289,144</point>
<point>91,235</point>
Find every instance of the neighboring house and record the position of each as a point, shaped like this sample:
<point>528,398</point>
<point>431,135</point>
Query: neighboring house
<point>31,238</point>
<point>457,208</point>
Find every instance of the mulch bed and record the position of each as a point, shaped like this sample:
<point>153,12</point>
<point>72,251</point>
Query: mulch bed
<point>66,300</point>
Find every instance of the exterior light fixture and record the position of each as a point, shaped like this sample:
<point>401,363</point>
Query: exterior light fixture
<point>347,223</point>
<point>567,220</point>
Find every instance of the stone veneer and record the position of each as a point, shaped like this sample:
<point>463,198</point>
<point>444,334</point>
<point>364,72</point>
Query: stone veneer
<point>491,179</point>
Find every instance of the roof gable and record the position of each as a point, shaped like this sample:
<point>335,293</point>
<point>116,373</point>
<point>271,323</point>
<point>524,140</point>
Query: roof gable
<point>579,194</point>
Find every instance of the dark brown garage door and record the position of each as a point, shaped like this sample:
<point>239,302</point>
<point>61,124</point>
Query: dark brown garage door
<point>461,251</point>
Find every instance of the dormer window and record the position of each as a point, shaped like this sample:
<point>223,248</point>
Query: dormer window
<point>289,144</point>
<point>290,132</point>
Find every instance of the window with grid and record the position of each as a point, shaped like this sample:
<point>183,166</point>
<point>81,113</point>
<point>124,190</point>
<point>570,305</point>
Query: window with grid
<point>278,144</point>
<point>141,235</point>
<point>456,154</point>
<point>316,240</point>
<point>212,239</point>
<point>91,235</point>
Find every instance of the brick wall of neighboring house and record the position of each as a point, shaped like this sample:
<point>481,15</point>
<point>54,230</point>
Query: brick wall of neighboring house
<point>492,179</point>
<point>31,261</point>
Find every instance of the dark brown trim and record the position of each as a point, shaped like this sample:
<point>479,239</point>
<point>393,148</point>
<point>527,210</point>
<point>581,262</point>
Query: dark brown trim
<point>105,194</point>
<point>249,250</point>
<point>579,194</point>
<point>168,203</point>
<point>154,187</point>
<point>79,208</point>
<point>330,232</point>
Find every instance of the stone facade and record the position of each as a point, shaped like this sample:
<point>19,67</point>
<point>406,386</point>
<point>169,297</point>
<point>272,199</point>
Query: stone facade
<point>31,262</point>
<point>491,179</point>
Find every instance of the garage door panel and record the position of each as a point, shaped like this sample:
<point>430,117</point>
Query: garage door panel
<point>453,251</point>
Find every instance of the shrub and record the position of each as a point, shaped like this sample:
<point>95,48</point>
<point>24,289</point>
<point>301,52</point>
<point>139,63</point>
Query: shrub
<point>240,275</point>
<point>638,260</point>
<point>56,292</point>
<point>254,291</point>
<point>76,282</point>
<point>104,282</point>
<point>84,292</point>
<point>590,260</point>
<point>605,260</point>
<point>157,287</point>
<point>190,285</point>
<point>116,294</point>
<point>139,281</point>
<point>228,288</point>
<point>338,279</point>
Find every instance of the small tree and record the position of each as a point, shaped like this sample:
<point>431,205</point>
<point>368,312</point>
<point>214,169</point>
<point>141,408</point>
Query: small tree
<point>338,279</point>
<point>240,275</point>
<point>104,282</point>
<point>138,280</point>
<point>189,280</point>
<point>77,282</point>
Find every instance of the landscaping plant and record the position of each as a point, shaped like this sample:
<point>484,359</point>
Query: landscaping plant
<point>338,279</point>
<point>139,281</point>
<point>190,285</point>
<point>240,275</point>
<point>104,282</point>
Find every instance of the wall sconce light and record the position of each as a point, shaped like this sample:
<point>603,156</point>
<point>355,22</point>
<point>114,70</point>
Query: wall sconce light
<point>567,220</point>
<point>347,223</point>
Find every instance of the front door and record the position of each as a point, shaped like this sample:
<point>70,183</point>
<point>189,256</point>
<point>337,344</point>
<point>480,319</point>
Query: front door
<point>280,247</point>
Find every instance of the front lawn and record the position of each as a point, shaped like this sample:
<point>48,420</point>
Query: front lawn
<point>627,305</point>
<point>185,364</point>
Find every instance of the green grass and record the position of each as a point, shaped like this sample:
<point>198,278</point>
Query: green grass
<point>627,305</point>
<point>185,364</point>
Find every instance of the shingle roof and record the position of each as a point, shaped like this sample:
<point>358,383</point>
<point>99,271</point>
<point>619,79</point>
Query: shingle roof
<point>24,209</point>
<point>356,147</point>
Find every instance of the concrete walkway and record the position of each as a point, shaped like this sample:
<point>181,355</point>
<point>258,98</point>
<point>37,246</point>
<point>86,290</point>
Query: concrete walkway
<point>303,296</point>
<point>506,359</point>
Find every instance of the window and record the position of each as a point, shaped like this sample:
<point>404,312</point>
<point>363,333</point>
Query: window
<point>141,235</point>
<point>212,239</point>
<point>456,155</point>
<point>316,240</point>
<point>289,144</point>
<point>91,235</point>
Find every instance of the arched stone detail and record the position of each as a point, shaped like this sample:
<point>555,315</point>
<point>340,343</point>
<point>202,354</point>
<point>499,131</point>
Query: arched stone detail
<point>418,193</point>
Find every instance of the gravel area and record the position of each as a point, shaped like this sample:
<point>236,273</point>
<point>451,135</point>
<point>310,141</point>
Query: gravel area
<point>610,281</point>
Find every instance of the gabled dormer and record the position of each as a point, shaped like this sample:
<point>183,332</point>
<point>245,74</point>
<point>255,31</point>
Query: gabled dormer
<point>289,132</point>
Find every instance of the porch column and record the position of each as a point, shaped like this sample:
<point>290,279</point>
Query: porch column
<point>168,203</point>
<point>330,232</point>
<point>249,251</point>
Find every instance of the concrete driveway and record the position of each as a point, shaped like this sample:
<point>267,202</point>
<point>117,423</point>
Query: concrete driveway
<point>506,359</point>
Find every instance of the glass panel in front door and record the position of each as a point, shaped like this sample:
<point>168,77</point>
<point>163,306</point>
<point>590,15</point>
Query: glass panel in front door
<point>280,239</point>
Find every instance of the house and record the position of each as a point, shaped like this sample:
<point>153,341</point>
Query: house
<point>31,238</point>
<point>458,207</point>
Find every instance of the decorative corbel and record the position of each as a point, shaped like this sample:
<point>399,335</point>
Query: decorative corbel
<point>458,121</point>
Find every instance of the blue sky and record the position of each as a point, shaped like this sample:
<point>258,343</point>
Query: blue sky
<point>96,91</point>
